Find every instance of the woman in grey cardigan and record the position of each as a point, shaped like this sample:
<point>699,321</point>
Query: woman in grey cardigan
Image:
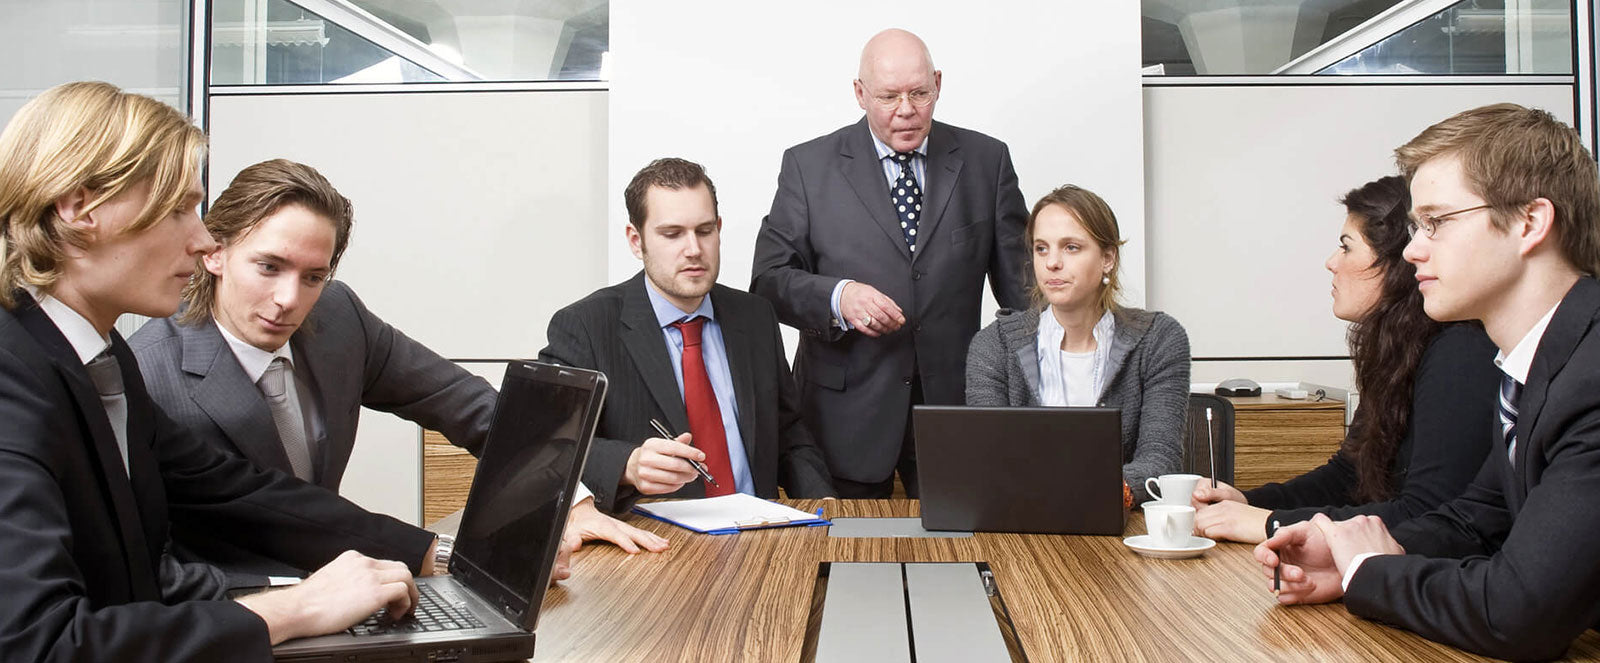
<point>1088,350</point>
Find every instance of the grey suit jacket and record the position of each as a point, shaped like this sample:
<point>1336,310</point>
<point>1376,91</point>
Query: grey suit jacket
<point>615,331</point>
<point>1511,568</point>
<point>831,219</point>
<point>351,359</point>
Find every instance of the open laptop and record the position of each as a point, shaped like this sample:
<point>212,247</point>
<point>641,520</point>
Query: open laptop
<point>1045,470</point>
<point>486,609</point>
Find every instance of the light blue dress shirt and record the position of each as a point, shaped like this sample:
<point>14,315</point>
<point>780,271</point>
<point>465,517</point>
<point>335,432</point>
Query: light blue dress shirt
<point>715,355</point>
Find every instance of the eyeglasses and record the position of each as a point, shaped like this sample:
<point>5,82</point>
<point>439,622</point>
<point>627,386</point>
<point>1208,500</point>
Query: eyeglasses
<point>920,98</point>
<point>1428,224</point>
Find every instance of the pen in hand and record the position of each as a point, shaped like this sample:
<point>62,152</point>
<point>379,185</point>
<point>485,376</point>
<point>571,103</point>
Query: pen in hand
<point>704,473</point>
<point>1277,570</point>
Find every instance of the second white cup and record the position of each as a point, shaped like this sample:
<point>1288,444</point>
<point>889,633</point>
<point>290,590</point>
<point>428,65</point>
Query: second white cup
<point>1172,488</point>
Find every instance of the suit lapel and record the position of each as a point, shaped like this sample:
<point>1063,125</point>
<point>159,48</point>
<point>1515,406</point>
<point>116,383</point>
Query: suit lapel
<point>102,442</point>
<point>144,468</point>
<point>226,395</point>
<point>641,335</point>
<point>944,170</point>
<point>736,341</point>
<point>865,175</point>
<point>312,362</point>
<point>1573,319</point>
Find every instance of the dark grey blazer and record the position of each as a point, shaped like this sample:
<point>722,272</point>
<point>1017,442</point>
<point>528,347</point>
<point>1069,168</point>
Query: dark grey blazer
<point>1511,568</point>
<point>615,331</point>
<point>831,219</point>
<point>1149,367</point>
<point>351,358</point>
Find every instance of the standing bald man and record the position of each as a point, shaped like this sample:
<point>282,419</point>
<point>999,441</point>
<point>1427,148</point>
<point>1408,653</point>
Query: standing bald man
<point>876,248</point>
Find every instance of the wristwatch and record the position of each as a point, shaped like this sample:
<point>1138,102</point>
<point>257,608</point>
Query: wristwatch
<point>442,552</point>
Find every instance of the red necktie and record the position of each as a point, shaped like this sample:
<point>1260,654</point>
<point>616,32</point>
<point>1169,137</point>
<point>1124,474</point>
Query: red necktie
<point>705,417</point>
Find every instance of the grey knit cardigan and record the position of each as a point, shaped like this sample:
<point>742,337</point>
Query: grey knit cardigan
<point>1149,368</point>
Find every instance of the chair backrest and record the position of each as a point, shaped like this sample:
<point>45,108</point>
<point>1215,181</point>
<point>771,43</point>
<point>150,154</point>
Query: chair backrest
<point>1198,448</point>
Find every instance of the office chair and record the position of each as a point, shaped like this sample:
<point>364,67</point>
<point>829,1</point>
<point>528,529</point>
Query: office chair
<point>1196,452</point>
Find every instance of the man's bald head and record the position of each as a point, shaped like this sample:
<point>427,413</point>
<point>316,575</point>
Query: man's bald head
<point>894,49</point>
<point>897,87</point>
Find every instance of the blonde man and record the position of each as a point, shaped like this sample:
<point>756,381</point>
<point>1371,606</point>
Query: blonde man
<point>1506,231</point>
<point>98,190</point>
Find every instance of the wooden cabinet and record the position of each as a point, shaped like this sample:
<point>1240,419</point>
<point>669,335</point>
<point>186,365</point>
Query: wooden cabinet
<point>446,476</point>
<point>1276,439</point>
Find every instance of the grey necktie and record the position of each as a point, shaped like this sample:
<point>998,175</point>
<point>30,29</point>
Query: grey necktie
<point>286,415</point>
<point>106,375</point>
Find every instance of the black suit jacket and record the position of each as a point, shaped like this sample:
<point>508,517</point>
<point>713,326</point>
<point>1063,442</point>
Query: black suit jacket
<point>831,219</point>
<point>615,331</point>
<point>1511,569</point>
<point>82,538</point>
<point>352,359</point>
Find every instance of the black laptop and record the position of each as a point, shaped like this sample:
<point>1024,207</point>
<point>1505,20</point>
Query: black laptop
<point>486,609</point>
<point>1044,470</point>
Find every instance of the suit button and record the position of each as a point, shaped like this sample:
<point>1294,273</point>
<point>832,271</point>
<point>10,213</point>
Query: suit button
<point>916,275</point>
<point>907,381</point>
<point>918,328</point>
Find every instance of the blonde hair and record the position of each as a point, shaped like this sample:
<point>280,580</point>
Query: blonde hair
<point>93,136</point>
<point>1511,155</point>
<point>1098,220</point>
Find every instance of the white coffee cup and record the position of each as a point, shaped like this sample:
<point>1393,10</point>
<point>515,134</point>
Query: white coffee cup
<point>1174,488</point>
<point>1169,525</point>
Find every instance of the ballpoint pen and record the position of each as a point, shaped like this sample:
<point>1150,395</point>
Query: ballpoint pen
<point>1277,570</point>
<point>704,473</point>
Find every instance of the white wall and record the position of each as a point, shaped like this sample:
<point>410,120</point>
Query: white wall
<point>477,216</point>
<point>734,83</point>
<point>1242,184</point>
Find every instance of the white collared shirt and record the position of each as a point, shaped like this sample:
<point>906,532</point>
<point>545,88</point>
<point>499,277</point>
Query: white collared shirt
<point>1055,387</point>
<point>86,341</point>
<point>1517,364</point>
<point>252,359</point>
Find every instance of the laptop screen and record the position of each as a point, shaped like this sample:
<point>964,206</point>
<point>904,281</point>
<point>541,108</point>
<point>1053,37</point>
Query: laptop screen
<point>511,529</point>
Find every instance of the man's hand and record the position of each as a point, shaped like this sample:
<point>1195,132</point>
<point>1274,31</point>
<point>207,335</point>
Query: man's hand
<point>1204,494</point>
<point>1230,520</point>
<point>869,311</point>
<point>658,466</point>
<point>343,593</point>
<point>563,566</point>
<point>1309,574</point>
<point>1358,535</point>
<point>586,523</point>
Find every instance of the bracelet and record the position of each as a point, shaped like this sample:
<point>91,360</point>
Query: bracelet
<point>442,552</point>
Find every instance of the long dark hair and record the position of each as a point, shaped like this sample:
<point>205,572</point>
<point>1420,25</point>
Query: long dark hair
<point>1386,345</point>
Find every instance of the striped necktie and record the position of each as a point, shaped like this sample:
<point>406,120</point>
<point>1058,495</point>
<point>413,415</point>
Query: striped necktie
<point>1510,392</point>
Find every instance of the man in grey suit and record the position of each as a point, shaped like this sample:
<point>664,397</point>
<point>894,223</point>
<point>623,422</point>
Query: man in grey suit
<point>273,360</point>
<point>876,249</point>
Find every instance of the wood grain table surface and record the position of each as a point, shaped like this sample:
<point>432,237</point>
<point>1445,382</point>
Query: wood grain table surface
<point>750,597</point>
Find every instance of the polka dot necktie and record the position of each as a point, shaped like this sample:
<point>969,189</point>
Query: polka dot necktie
<point>906,196</point>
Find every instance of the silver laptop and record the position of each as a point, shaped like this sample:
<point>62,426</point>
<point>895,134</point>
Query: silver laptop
<point>1046,470</point>
<point>486,609</point>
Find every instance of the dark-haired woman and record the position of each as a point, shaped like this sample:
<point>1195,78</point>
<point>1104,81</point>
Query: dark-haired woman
<point>1079,347</point>
<point>1427,393</point>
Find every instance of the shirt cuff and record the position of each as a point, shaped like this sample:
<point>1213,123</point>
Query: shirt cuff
<point>838,318</point>
<point>581,493</point>
<point>1344,585</point>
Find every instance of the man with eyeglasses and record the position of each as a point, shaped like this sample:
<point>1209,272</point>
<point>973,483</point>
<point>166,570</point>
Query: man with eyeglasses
<point>1506,203</point>
<point>876,249</point>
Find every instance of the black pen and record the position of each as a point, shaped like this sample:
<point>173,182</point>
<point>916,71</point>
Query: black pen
<point>704,473</point>
<point>1277,570</point>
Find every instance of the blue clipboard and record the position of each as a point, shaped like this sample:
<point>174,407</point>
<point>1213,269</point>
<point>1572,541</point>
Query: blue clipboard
<point>753,524</point>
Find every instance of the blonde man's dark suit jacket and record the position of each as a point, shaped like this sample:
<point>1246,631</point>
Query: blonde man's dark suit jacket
<point>615,331</point>
<point>353,358</point>
<point>82,540</point>
<point>831,219</point>
<point>1511,568</point>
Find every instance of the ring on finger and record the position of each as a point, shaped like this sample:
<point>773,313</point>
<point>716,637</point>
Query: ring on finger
<point>866,321</point>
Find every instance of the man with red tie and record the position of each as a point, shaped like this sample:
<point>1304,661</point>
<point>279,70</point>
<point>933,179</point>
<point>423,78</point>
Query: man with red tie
<point>703,359</point>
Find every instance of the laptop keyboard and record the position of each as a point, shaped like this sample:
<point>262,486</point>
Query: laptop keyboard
<point>432,614</point>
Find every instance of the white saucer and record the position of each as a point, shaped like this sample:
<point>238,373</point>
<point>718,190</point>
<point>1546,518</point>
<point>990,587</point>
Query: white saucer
<point>1145,545</point>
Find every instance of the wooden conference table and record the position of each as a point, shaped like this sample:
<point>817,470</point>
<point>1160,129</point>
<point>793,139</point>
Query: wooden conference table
<point>757,596</point>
